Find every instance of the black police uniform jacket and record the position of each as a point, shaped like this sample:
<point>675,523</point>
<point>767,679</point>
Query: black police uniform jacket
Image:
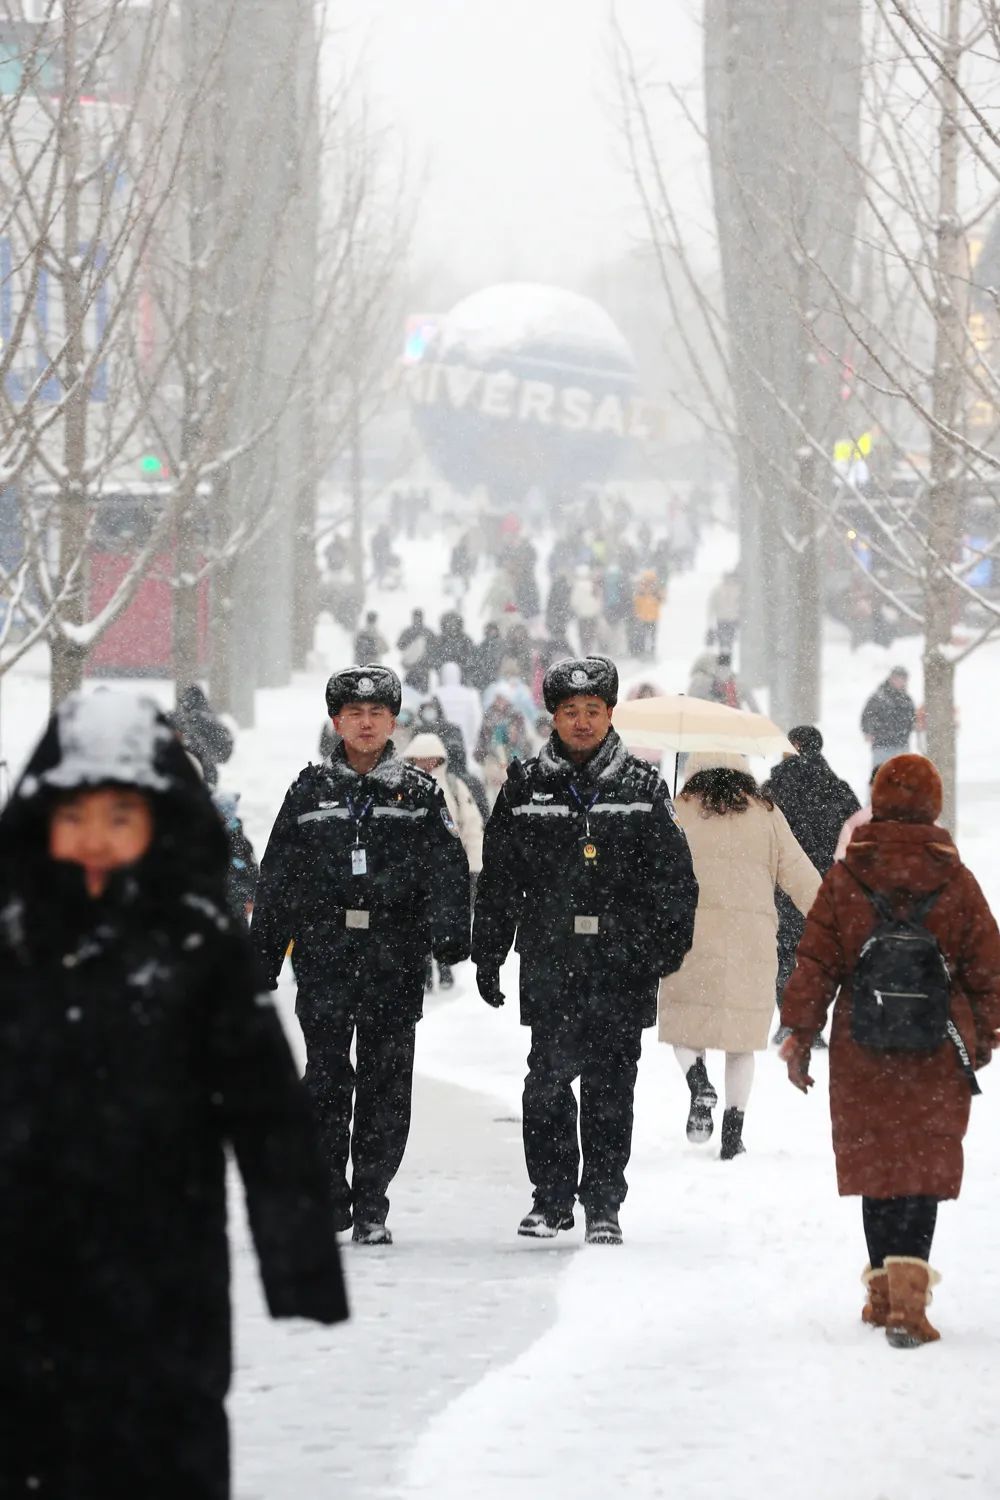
<point>136,1045</point>
<point>538,881</point>
<point>413,894</point>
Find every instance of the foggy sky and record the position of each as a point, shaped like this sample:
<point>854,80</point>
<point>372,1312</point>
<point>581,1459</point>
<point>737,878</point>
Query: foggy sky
<point>507,111</point>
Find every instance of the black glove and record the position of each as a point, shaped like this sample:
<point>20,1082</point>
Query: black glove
<point>488,981</point>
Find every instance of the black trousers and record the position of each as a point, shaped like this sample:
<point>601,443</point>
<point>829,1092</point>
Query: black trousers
<point>380,1091</point>
<point>898,1226</point>
<point>791,925</point>
<point>604,1055</point>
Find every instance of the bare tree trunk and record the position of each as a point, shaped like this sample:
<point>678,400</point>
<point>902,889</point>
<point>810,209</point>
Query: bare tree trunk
<point>67,657</point>
<point>783,101</point>
<point>944,525</point>
<point>195,43</point>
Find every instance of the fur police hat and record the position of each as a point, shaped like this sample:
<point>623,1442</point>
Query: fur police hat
<point>371,684</point>
<point>593,676</point>
<point>907,789</point>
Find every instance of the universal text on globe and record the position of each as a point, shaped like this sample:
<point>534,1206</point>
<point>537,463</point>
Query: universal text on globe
<point>507,397</point>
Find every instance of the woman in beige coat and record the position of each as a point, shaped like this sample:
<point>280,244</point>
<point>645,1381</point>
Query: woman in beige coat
<point>723,994</point>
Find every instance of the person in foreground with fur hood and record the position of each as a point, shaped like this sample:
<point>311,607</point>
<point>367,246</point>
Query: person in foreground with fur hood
<point>583,862</point>
<point>723,995</point>
<point>135,1046</point>
<point>903,945</point>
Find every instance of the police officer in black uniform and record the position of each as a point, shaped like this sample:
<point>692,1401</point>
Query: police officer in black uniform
<point>364,871</point>
<point>583,859</point>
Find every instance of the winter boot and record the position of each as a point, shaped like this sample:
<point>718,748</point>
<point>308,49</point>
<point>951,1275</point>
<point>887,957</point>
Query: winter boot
<point>603,1227</point>
<point>703,1100</point>
<point>910,1282</point>
<point>732,1135</point>
<point>446,979</point>
<point>876,1310</point>
<point>371,1232</point>
<point>544,1223</point>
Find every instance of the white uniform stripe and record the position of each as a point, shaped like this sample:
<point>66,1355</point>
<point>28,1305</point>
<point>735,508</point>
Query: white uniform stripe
<point>621,807</point>
<point>541,810</point>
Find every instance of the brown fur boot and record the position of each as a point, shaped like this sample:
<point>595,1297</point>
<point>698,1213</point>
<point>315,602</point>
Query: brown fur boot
<point>876,1310</point>
<point>910,1282</point>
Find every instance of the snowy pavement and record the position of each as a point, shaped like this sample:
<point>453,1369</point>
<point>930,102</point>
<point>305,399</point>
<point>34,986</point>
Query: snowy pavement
<point>719,1353</point>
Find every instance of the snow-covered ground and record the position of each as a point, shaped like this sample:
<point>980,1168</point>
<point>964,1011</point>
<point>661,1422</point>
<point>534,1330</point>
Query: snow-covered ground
<point>720,1352</point>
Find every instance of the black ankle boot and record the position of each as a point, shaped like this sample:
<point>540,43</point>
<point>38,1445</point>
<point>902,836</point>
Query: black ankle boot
<point>732,1134</point>
<point>703,1101</point>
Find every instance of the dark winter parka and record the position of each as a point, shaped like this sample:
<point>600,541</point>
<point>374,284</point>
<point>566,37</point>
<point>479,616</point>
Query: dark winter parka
<point>414,891</point>
<point>536,881</point>
<point>889,716</point>
<point>816,805</point>
<point>135,1046</point>
<point>898,1118</point>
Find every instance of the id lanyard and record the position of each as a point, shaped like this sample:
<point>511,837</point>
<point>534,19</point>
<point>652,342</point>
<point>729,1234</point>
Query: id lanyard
<point>359,855</point>
<point>589,848</point>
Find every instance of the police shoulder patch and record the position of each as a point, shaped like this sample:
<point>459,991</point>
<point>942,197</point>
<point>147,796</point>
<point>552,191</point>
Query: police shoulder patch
<point>449,821</point>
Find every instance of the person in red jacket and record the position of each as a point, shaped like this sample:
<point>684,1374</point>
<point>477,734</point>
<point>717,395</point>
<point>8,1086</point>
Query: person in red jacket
<point>899,1117</point>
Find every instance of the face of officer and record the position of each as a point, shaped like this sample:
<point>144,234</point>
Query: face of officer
<point>582,723</point>
<point>365,729</point>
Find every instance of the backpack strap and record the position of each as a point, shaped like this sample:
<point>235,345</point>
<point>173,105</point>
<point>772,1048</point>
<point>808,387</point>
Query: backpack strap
<point>926,906</point>
<point>878,901</point>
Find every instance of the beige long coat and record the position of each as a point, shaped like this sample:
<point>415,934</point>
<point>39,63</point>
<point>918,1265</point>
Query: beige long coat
<point>723,994</point>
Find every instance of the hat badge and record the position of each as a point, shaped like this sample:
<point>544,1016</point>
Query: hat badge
<point>365,685</point>
<point>578,677</point>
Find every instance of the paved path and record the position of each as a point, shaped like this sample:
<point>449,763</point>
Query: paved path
<point>336,1412</point>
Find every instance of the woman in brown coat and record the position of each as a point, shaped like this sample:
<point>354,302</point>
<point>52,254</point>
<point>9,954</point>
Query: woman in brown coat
<point>723,995</point>
<point>899,1117</point>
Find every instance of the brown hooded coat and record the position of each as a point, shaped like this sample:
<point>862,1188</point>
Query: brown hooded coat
<point>898,1118</point>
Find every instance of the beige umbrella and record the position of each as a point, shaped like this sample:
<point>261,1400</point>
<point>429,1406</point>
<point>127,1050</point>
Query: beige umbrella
<point>685,724</point>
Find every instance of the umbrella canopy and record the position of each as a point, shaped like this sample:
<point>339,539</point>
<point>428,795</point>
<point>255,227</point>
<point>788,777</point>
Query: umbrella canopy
<point>684,724</point>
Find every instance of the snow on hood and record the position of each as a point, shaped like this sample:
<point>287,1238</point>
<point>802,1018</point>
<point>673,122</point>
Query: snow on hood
<point>104,736</point>
<point>113,736</point>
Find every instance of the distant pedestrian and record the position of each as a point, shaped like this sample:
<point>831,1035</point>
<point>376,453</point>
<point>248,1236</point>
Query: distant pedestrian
<point>585,603</point>
<point>416,647</point>
<point>902,944</point>
<point>724,608</point>
<point>427,752</point>
<point>460,705</point>
<point>860,819</point>
<point>816,804</point>
<point>889,717</point>
<point>647,602</point>
<point>369,643</point>
<point>730,689</point>
<point>204,734</point>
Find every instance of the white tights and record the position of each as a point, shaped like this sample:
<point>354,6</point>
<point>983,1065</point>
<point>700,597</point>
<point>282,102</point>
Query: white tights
<point>739,1074</point>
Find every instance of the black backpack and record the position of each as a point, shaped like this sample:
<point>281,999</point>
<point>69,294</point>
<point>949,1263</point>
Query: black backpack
<point>901,987</point>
